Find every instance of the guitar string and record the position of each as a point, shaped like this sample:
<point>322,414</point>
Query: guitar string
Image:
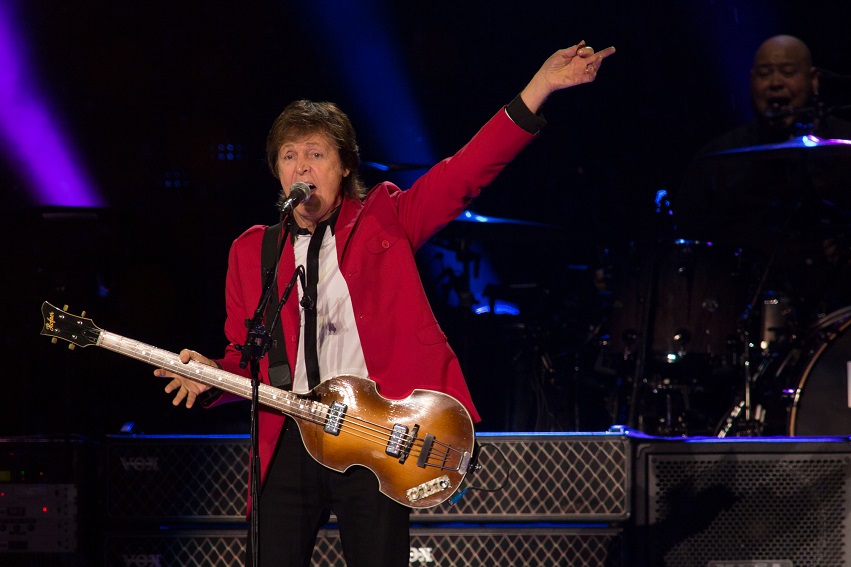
<point>417,444</point>
<point>375,433</point>
<point>369,431</point>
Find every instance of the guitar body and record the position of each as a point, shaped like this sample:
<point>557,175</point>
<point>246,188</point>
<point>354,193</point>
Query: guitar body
<point>419,447</point>
<point>434,412</point>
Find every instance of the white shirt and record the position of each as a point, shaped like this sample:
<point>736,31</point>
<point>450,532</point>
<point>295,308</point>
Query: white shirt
<point>337,341</point>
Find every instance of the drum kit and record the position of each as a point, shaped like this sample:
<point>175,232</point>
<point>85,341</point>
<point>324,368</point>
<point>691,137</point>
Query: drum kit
<point>706,338</point>
<point>701,336</point>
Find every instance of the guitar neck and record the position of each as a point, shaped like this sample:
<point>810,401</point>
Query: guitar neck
<point>290,404</point>
<point>355,425</point>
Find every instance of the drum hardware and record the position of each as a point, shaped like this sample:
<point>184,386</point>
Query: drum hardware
<point>459,267</point>
<point>664,234</point>
<point>738,422</point>
<point>771,313</point>
<point>630,340</point>
<point>766,401</point>
<point>672,406</point>
<point>680,338</point>
<point>679,304</point>
<point>804,389</point>
<point>746,419</point>
<point>775,333</point>
<point>642,345</point>
<point>776,314</point>
<point>773,336</point>
<point>734,426</point>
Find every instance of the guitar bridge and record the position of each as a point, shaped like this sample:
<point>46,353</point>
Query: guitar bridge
<point>425,451</point>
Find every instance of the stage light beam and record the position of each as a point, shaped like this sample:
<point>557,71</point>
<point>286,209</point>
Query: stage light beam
<point>31,139</point>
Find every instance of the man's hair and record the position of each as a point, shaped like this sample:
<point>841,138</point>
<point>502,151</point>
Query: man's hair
<point>304,117</point>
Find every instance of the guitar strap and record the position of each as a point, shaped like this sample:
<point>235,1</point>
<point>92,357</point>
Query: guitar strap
<point>280,375</point>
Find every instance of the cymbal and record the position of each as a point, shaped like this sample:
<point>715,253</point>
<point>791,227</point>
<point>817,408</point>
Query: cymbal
<point>799,147</point>
<point>481,227</point>
<point>394,166</point>
<point>469,216</point>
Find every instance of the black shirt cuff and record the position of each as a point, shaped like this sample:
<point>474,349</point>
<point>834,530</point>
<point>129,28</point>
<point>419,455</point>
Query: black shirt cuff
<point>523,117</point>
<point>209,397</point>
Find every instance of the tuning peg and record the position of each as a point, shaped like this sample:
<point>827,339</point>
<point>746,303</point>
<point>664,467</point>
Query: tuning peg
<point>54,340</point>
<point>71,346</point>
<point>83,314</point>
<point>65,307</point>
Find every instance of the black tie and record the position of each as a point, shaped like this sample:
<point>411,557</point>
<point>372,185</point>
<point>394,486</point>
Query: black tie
<point>311,357</point>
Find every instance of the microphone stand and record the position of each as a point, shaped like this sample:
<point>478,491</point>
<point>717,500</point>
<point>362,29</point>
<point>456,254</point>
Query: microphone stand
<point>258,342</point>
<point>664,234</point>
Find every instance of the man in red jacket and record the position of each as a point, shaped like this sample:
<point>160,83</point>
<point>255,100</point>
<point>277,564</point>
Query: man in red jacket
<point>363,310</point>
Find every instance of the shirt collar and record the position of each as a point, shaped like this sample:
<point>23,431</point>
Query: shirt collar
<point>295,230</point>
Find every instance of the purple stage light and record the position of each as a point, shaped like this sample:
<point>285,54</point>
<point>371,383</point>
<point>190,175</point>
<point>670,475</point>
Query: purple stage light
<point>30,135</point>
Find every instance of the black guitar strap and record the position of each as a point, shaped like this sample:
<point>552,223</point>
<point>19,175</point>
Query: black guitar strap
<point>280,375</point>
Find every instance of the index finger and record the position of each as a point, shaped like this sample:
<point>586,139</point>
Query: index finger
<point>603,53</point>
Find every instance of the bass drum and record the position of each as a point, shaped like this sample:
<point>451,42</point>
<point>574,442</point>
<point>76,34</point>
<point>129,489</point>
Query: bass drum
<point>814,379</point>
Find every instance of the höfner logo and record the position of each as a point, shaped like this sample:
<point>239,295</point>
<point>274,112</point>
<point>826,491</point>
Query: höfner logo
<point>140,463</point>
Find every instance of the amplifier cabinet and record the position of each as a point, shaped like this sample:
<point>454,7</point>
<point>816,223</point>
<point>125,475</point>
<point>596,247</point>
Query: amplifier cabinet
<point>544,477</point>
<point>743,502</point>
<point>525,477</point>
<point>176,478</point>
<point>431,546</point>
<point>38,518</point>
<point>47,508</point>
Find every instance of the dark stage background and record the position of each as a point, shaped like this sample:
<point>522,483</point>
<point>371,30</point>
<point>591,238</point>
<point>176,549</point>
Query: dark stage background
<point>146,92</point>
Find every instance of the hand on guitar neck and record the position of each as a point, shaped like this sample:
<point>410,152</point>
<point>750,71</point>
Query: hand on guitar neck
<point>186,389</point>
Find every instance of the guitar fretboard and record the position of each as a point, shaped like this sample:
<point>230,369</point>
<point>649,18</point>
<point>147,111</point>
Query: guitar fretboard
<point>290,404</point>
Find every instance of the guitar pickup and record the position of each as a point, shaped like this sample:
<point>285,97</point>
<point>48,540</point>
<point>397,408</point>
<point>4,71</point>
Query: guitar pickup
<point>336,412</point>
<point>398,446</point>
<point>396,443</point>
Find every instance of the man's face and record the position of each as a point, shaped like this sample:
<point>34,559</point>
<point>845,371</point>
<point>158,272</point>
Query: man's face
<point>782,77</point>
<point>313,159</point>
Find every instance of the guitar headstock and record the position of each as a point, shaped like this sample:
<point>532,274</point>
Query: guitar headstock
<point>60,324</point>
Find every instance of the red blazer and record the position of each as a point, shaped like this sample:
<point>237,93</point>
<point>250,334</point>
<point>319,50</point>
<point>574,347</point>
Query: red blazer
<point>376,239</point>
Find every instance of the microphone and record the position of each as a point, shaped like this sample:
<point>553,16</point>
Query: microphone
<point>776,111</point>
<point>299,192</point>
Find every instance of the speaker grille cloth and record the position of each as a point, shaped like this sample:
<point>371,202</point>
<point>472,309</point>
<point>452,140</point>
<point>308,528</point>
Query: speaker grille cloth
<point>735,507</point>
<point>550,477</point>
<point>183,479</point>
<point>447,548</point>
<point>561,477</point>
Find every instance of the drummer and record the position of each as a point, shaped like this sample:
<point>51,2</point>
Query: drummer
<point>790,210</point>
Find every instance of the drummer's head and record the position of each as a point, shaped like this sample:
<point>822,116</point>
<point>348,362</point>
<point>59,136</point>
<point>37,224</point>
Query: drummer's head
<point>783,76</point>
